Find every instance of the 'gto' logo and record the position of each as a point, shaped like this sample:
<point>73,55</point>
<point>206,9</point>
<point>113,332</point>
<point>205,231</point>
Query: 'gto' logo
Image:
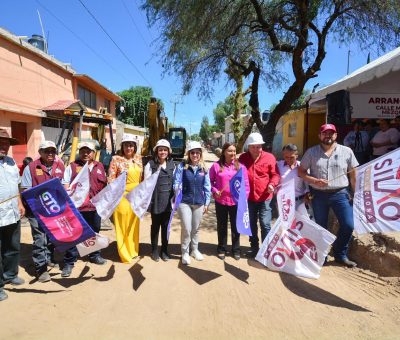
<point>49,203</point>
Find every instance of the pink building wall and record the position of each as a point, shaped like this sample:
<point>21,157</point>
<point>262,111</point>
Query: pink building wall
<point>31,80</point>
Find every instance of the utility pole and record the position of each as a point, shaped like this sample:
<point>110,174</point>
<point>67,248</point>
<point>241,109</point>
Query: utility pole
<point>348,61</point>
<point>177,100</point>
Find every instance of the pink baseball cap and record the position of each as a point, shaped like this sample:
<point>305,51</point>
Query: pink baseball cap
<point>326,127</point>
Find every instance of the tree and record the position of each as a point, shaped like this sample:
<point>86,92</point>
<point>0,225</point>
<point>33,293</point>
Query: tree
<point>200,38</point>
<point>205,131</point>
<point>195,137</point>
<point>136,105</point>
<point>223,110</point>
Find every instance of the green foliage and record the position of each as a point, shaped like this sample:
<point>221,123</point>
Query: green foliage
<point>137,99</point>
<point>195,137</point>
<point>223,110</point>
<point>199,39</point>
<point>205,131</point>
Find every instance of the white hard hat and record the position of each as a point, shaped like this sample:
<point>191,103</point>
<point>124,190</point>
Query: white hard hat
<point>163,142</point>
<point>194,145</point>
<point>129,138</point>
<point>47,144</point>
<point>254,138</point>
<point>87,145</point>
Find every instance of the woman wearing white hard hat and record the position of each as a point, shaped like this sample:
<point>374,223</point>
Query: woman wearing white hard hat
<point>193,178</point>
<point>125,221</point>
<point>160,206</point>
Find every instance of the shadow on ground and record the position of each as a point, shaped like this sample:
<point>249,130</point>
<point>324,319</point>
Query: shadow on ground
<point>308,291</point>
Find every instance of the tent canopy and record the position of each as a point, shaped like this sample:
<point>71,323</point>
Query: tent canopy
<point>378,68</point>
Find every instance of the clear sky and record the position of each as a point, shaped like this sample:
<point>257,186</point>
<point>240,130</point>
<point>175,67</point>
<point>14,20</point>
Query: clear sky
<point>75,37</point>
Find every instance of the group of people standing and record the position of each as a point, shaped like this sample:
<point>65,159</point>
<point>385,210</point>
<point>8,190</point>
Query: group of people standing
<point>371,139</point>
<point>324,179</point>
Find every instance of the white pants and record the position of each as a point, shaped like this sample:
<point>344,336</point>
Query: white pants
<point>190,216</point>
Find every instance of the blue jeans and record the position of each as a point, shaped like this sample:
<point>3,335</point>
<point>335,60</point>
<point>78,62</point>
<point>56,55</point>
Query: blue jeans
<point>340,203</point>
<point>262,212</point>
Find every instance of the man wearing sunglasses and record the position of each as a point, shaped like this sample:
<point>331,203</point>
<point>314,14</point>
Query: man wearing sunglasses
<point>46,167</point>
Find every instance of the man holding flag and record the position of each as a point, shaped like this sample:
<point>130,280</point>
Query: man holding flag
<point>37,172</point>
<point>331,170</point>
<point>97,181</point>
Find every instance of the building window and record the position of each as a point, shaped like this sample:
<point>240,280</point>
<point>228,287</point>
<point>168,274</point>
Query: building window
<point>107,104</point>
<point>51,122</point>
<point>292,129</point>
<point>87,97</point>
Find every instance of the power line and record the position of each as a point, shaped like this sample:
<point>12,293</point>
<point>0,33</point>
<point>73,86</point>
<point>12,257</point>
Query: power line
<point>116,45</point>
<point>134,23</point>
<point>82,41</point>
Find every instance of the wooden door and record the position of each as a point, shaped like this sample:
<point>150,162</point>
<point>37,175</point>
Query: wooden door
<point>18,131</point>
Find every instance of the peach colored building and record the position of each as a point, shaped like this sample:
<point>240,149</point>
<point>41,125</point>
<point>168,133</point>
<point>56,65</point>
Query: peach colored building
<point>30,82</point>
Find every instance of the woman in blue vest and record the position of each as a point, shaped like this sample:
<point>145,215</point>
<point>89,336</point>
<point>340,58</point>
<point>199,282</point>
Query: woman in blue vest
<point>160,206</point>
<point>192,176</point>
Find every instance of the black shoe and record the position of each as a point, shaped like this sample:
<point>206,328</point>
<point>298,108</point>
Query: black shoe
<point>165,256</point>
<point>98,260</point>
<point>236,257</point>
<point>67,270</point>
<point>252,253</point>
<point>3,294</point>
<point>155,256</point>
<point>221,256</point>
<point>16,281</point>
<point>346,262</point>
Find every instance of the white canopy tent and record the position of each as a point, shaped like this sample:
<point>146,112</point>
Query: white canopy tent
<point>374,88</point>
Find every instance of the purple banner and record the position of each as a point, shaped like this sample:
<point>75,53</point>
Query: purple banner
<point>57,215</point>
<point>238,192</point>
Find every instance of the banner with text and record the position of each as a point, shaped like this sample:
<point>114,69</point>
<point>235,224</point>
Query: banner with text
<point>375,105</point>
<point>298,250</point>
<point>376,203</point>
<point>57,215</point>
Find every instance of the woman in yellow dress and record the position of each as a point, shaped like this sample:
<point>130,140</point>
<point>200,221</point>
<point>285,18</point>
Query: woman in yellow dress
<point>125,221</point>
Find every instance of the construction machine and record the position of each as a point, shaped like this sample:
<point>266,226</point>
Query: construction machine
<point>158,128</point>
<point>70,136</point>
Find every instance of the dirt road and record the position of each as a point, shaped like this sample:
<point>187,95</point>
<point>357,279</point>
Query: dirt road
<point>212,299</point>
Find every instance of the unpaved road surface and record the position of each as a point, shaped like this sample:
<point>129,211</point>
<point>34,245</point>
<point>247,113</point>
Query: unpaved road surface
<point>212,299</point>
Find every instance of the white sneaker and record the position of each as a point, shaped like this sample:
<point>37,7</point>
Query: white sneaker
<point>197,255</point>
<point>185,259</point>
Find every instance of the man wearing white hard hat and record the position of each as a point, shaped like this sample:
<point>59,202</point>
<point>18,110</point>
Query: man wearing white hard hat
<point>263,178</point>
<point>160,206</point>
<point>11,211</point>
<point>37,172</point>
<point>98,180</point>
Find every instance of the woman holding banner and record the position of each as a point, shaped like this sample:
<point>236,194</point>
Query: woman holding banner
<point>125,221</point>
<point>192,178</point>
<point>160,206</point>
<point>221,172</point>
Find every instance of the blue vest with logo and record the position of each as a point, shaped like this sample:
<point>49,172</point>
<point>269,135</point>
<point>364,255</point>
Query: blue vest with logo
<point>193,186</point>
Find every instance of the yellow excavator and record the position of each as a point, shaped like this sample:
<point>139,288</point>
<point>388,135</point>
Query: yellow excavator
<point>158,128</point>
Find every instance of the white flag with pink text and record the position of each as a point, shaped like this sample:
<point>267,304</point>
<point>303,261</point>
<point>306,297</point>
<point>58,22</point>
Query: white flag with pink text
<point>299,249</point>
<point>376,203</point>
<point>286,201</point>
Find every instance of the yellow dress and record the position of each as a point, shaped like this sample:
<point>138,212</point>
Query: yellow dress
<point>125,221</point>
